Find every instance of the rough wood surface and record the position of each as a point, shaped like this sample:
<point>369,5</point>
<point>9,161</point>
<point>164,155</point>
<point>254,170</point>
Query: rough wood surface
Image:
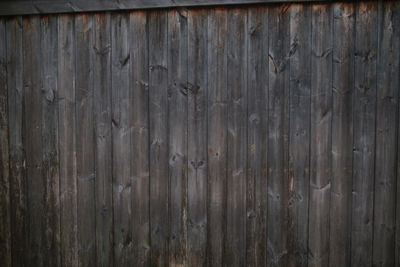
<point>103,138</point>
<point>257,127</point>
<point>364,122</point>
<point>158,134</point>
<point>388,83</point>
<point>139,82</point>
<point>197,89</point>
<point>67,141</point>
<point>342,134</point>
<point>121,140</point>
<point>225,136</point>
<point>320,133</point>
<point>217,135</point>
<point>299,135</point>
<point>5,223</point>
<point>278,130</point>
<point>50,162</point>
<point>84,131</point>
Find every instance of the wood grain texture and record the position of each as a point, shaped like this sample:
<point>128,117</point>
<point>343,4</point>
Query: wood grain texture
<point>278,131</point>
<point>321,119</point>
<point>50,162</point>
<point>140,137</point>
<point>177,134</point>
<point>231,136</point>
<point>342,134</point>
<point>15,95</point>
<point>103,139</point>
<point>217,136</point>
<point>67,141</point>
<point>364,122</point>
<point>32,139</point>
<point>257,127</point>
<point>121,140</point>
<point>197,137</point>
<point>388,83</point>
<point>84,131</point>
<point>299,134</point>
<point>158,127</point>
<point>235,246</point>
<point>5,215</point>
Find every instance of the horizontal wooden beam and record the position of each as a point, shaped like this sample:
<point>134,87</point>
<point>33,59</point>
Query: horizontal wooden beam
<point>24,7</point>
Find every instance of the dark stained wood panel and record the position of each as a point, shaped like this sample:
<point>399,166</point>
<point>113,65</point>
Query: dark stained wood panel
<point>223,136</point>
<point>257,127</point>
<point>320,134</point>
<point>5,223</point>
<point>342,133</point>
<point>197,137</point>
<point>299,134</point>
<point>103,138</point>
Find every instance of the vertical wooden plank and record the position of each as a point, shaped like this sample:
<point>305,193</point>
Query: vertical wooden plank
<point>217,135</point>
<point>103,138</point>
<point>158,112</point>
<point>396,20</point>
<point>342,134</point>
<point>364,133</point>
<point>32,139</point>
<point>121,133</point>
<point>278,130</point>
<point>388,67</point>
<point>257,120</point>
<point>197,137</point>
<point>299,134</point>
<point>51,212</point>
<point>140,137</point>
<point>17,156</point>
<point>67,141</point>
<point>5,215</point>
<point>321,123</point>
<point>177,135</point>
<point>85,140</point>
<point>235,245</point>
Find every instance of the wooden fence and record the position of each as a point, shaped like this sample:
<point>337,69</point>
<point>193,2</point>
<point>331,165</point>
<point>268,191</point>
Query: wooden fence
<point>262,135</point>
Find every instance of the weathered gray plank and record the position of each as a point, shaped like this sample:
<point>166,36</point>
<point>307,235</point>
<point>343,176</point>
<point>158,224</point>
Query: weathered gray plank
<point>364,119</point>
<point>257,124</point>
<point>16,149</point>
<point>63,6</point>
<point>177,134</point>
<point>197,137</point>
<point>103,141</point>
<point>299,134</point>
<point>396,15</point>
<point>235,245</point>
<point>5,226</point>
<point>342,134</point>
<point>121,135</point>
<point>388,84</point>
<point>158,112</point>
<point>278,130</point>
<point>217,135</point>
<point>67,141</point>
<point>32,139</point>
<point>140,138</point>
<point>84,132</point>
<point>51,197</point>
<point>321,123</point>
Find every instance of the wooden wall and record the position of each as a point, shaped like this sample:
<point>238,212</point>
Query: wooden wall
<point>243,136</point>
